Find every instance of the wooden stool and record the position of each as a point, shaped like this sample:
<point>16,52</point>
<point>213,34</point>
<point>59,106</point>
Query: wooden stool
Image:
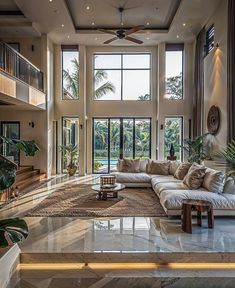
<point>189,205</point>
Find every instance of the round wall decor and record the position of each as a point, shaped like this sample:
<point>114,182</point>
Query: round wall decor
<point>213,120</point>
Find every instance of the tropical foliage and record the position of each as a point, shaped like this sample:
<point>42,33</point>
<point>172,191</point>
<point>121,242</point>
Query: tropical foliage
<point>71,82</point>
<point>174,87</point>
<point>12,230</point>
<point>229,155</point>
<point>195,148</point>
<point>144,97</point>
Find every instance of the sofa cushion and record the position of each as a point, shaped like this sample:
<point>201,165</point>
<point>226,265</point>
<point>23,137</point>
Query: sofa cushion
<point>182,170</point>
<point>229,186</point>
<point>173,167</point>
<point>214,181</point>
<point>122,177</point>
<point>172,199</point>
<point>143,165</point>
<point>155,179</point>
<point>160,167</point>
<point>160,187</point>
<point>129,165</point>
<point>194,178</point>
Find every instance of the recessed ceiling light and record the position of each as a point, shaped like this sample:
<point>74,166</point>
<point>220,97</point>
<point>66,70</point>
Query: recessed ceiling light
<point>147,23</point>
<point>93,23</point>
<point>184,24</point>
<point>68,36</point>
<point>177,36</point>
<point>50,0</point>
<point>96,38</point>
<point>88,7</point>
<point>147,38</point>
<point>122,23</point>
<point>62,25</point>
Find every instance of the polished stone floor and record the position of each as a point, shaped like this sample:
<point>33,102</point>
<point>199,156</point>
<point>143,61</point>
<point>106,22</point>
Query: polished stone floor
<point>119,240</point>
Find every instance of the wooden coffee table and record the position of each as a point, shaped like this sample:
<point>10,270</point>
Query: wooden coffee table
<point>105,193</point>
<point>189,205</point>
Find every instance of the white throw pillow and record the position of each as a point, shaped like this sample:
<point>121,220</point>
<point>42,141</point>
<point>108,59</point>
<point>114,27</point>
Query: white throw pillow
<point>214,181</point>
<point>229,186</point>
<point>173,167</point>
<point>143,165</point>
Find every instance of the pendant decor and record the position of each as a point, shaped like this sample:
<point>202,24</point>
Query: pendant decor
<point>213,120</point>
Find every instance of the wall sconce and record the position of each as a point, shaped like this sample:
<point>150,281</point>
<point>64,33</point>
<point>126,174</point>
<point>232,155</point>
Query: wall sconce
<point>81,126</point>
<point>31,124</point>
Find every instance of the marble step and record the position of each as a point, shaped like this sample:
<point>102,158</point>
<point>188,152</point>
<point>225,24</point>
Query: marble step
<point>109,257</point>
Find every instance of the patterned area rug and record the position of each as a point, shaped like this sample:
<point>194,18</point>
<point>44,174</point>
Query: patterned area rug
<point>79,200</point>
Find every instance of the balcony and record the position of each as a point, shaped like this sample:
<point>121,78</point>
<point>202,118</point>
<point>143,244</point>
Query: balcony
<point>19,79</point>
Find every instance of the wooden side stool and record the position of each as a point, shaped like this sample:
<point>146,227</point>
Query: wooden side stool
<point>189,205</point>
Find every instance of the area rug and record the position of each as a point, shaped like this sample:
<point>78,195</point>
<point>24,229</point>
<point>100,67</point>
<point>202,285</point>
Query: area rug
<point>79,200</point>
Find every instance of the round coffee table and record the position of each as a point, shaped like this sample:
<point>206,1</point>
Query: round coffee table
<point>105,193</point>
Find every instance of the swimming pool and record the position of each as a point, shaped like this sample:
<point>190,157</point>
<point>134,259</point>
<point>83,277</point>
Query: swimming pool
<point>105,161</point>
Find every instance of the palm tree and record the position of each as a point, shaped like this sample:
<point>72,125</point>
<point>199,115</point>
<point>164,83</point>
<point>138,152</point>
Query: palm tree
<point>72,82</point>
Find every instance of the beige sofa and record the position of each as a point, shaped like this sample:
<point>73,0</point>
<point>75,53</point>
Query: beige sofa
<point>172,191</point>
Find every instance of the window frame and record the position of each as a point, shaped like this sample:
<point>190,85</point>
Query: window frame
<point>181,134</point>
<point>210,39</point>
<point>67,48</point>
<point>176,47</point>
<point>121,70</point>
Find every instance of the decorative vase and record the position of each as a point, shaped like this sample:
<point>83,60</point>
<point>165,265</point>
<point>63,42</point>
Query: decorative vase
<point>71,168</point>
<point>172,150</point>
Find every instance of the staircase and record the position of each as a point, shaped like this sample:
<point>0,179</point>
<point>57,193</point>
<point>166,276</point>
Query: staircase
<point>26,177</point>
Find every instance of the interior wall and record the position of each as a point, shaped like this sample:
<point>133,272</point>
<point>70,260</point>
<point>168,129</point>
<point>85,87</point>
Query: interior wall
<point>215,77</point>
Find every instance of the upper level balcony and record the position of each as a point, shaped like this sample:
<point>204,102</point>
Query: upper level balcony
<point>20,80</point>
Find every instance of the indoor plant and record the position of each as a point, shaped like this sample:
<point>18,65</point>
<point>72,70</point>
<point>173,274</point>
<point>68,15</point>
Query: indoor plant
<point>70,154</point>
<point>13,230</point>
<point>229,155</point>
<point>195,148</point>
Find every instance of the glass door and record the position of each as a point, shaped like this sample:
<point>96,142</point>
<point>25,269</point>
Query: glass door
<point>117,138</point>
<point>10,130</point>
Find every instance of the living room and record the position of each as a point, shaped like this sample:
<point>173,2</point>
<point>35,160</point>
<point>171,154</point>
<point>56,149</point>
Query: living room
<point>117,152</point>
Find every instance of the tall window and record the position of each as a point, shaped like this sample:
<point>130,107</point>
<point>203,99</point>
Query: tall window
<point>70,72</point>
<point>210,39</point>
<point>122,76</point>
<point>173,136</point>
<point>174,71</point>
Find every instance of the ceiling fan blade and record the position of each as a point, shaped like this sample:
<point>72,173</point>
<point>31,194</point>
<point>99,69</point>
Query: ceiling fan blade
<point>134,29</point>
<point>133,40</point>
<point>107,31</point>
<point>110,40</point>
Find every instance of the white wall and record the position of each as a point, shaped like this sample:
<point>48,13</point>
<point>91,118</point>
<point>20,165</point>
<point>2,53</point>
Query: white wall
<point>215,79</point>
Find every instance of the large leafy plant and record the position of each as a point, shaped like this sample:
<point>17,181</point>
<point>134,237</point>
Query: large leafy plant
<point>70,153</point>
<point>13,230</point>
<point>195,148</point>
<point>229,155</point>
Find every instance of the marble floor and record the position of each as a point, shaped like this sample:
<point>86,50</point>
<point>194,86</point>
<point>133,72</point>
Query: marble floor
<point>119,240</point>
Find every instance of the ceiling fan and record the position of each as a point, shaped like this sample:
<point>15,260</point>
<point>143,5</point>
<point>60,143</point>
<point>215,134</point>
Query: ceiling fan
<point>123,33</point>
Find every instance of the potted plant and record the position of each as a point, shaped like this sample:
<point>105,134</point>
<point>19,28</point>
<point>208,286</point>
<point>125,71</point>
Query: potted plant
<point>195,148</point>
<point>229,155</point>
<point>13,230</point>
<point>70,154</point>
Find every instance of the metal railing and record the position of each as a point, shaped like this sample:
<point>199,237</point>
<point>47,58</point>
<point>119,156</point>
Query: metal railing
<point>19,67</point>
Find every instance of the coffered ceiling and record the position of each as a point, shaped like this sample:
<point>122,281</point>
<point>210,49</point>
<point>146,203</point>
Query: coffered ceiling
<point>76,21</point>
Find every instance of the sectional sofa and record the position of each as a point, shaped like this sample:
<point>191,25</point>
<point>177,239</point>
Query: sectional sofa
<point>171,191</point>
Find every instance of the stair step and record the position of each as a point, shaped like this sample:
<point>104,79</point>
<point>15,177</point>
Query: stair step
<point>23,169</point>
<point>26,183</point>
<point>26,175</point>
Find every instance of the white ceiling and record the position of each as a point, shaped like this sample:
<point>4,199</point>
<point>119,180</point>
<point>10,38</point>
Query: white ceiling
<point>43,16</point>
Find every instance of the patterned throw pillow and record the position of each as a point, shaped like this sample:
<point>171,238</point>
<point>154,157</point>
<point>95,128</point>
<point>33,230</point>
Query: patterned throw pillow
<point>182,170</point>
<point>130,165</point>
<point>214,181</point>
<point>194,178</point>
<point>229,186</point>
<point>159,167</point>
<point>173,167</point>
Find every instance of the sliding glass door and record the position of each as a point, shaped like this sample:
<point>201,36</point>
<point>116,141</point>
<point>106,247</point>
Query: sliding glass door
<point>115,138</point>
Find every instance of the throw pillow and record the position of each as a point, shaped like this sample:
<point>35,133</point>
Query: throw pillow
<point>173,167</point>
<point>143,165</point>
<point>131,165</point>
<point>194,178</point>
<point>160,167</point>
<point>229,186</point>
<point>182,170</point>
<point>214,181</point>
<point>148,166</point>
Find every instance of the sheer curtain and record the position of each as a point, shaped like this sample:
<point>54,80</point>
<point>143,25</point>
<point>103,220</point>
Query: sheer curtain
<point>198,95</point>
<point>231,70</point>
